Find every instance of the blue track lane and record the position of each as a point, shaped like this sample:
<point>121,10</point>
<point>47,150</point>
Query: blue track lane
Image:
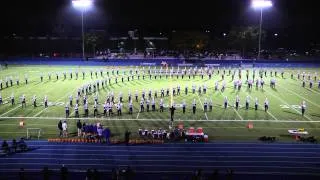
<point>246,159</point>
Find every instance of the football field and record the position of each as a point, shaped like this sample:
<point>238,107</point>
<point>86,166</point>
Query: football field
<point>223,124</point>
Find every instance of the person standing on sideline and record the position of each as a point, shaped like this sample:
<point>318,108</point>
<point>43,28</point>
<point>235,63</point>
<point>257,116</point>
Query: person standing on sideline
<point>64,129</point>
<point>79,126</point>
<point>60,128</point>
<point>303,107</point>
<point>266,105</point>
<point>172,109</point>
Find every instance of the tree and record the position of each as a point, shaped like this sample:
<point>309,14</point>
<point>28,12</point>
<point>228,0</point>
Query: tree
<point>190,40</point>
<point>93,39</point>
<point>245,38</point>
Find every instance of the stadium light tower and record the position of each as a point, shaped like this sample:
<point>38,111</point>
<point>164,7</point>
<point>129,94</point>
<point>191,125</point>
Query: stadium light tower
<point>82,5</point>
<point>260,5</point>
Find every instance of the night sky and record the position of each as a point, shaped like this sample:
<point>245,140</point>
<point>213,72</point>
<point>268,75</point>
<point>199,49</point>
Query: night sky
<point>291,18</point>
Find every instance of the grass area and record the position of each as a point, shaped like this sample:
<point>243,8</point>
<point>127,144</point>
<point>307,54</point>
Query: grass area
<point>223,124</point>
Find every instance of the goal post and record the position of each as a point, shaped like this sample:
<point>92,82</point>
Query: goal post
<point>34,132</point>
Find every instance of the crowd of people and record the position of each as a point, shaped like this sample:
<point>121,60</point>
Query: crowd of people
<point>15,146</point>
<point>88,131</point>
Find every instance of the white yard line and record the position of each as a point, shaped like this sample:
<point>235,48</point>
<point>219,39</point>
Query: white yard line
<point>138,114</point>
<point>189,120</point>
<point>137,126</point>
<point>234,109</point>
<point>272,115</point>
<point>18,106</point>
<point>302,97</point>
<point>55,102</point>
<point>314,91</point>
<point>237,113</point>
<point>267,111</point>
<point>205,113</point>
<point>288,105</point>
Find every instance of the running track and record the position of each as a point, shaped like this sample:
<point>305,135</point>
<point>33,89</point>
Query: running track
<point>248,160</point>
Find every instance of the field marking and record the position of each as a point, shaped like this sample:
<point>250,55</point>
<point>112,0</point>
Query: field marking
<point>18,106</point>
<point>302,97</point>
<point>288,105</point>
<point>307,88</point>
<point>54,102</point>
<point>188,120</point>
<point>267,111</point>
<point>138,115</point>
<point>232,107</point>
<point>137,126</point>
<point>205,113</point>
<point>17,103</point>
<point>314,91</point>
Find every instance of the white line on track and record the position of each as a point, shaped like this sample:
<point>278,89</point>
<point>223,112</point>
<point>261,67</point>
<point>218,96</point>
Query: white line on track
<point>173,171</point>
<point>166,160</point>
<point>167,165</point>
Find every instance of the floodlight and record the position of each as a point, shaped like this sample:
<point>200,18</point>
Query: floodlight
<point>261,4</point>
<point>81,3</point>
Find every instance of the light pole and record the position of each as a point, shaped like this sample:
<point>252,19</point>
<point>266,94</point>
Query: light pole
<point>82,5</point>
<point>260,4</point>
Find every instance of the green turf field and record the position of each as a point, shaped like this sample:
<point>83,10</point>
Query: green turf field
<point>223,124</point>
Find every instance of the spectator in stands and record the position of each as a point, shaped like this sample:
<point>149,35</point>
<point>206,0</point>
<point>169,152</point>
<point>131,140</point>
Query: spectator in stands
<point>14,145</point>
<point>129,173</point>
<point>114,174</point>
<point>197,175</point>
<point>79,126</point>
<point>96,175</point>
<point>22,145</point>
<point>215,175</point>
<point>21,174</point>
<point>89,174</point>
<point>229,174</point>
<point>5,147</point>
<point>65,129</point>
<point>127,137</point>
<point>46,173</point>
<point>64,172</point>
<point>60,128</point>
